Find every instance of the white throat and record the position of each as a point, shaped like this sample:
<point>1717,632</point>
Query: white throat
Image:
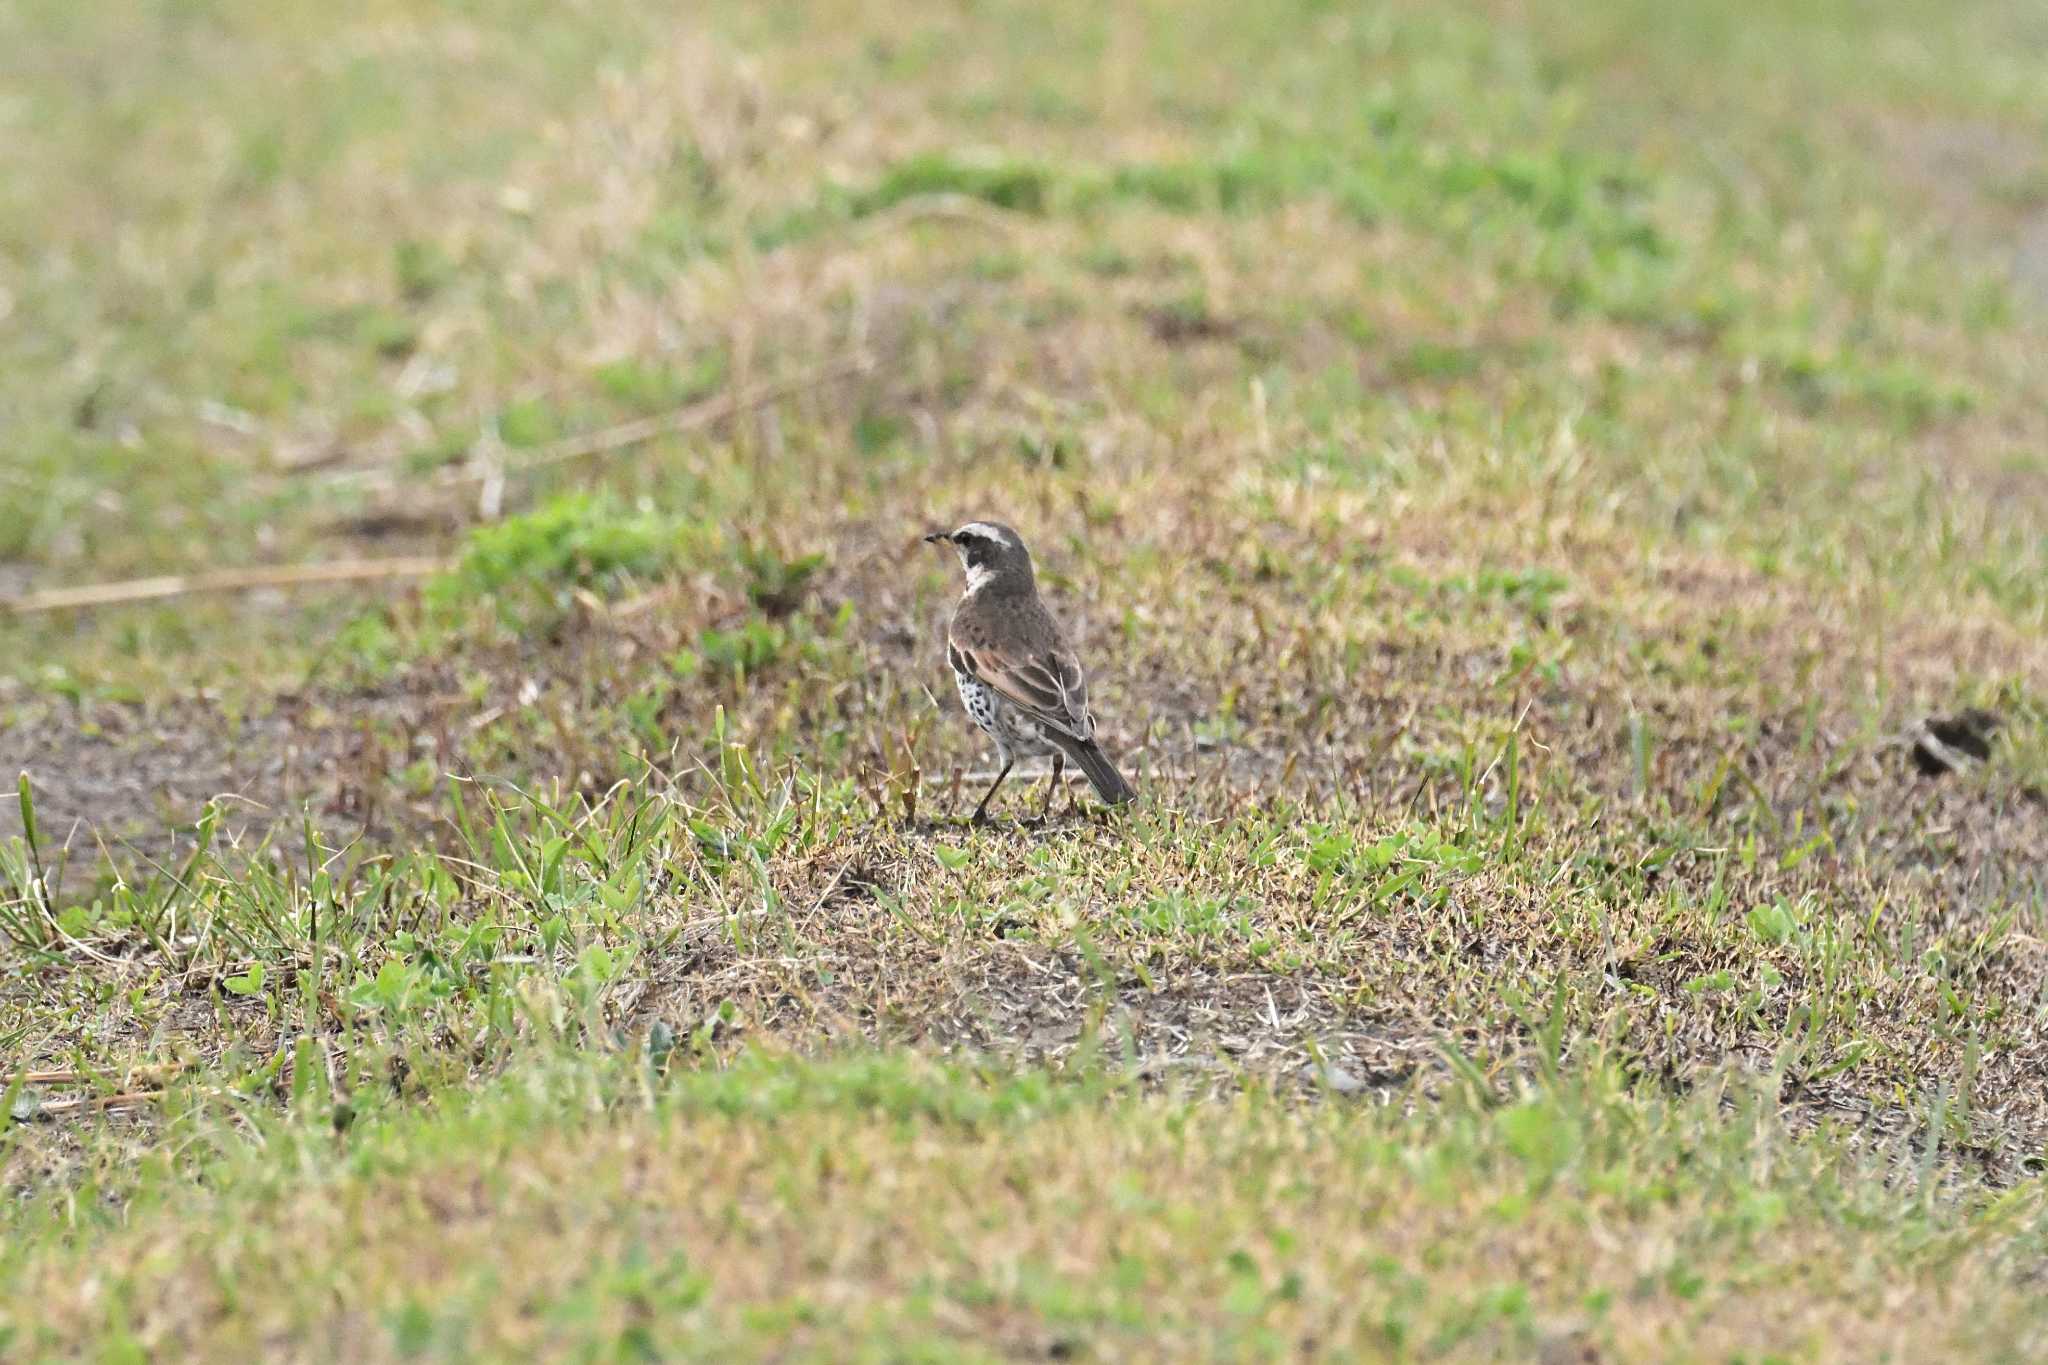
<point>979,576</point>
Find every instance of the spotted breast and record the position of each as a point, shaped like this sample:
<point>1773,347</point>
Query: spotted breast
<point>1016,734</point>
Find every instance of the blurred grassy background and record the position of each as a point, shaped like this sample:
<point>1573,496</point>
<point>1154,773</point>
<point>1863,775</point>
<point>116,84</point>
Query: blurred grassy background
<point>496,224</point>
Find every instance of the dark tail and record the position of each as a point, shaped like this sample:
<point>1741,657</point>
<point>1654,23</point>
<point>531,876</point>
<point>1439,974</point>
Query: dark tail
<point>1109,784</point>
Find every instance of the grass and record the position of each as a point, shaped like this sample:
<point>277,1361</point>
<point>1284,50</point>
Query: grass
<point>984,1214</point>
<point>1518,475</point>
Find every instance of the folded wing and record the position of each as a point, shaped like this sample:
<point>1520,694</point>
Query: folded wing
<point>1048,685</point>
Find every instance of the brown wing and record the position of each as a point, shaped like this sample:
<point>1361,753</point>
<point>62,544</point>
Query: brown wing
<point>1047,685</point>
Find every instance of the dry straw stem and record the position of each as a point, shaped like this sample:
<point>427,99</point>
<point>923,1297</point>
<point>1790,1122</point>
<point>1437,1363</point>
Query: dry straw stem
<point>627,435</point>
<point>697,415</point>
<point>144,1075</point>
<point>57,1109</point>
<point>227,580</point>
<point>961,208</point>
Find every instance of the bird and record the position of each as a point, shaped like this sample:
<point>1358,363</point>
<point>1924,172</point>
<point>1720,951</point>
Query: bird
<point>1018,677</point>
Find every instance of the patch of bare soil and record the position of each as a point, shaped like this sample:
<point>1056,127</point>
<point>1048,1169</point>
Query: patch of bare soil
<point>1037,1003</point>
<point>135,776</point>
<point>131,781</point>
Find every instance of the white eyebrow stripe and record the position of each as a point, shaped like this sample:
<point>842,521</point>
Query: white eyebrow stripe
<point>982,528</point>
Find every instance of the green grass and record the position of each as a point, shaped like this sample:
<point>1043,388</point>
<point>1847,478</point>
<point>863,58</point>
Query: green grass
<point>604,1209</point>
<point>1518,477</point>
<point>532,562</point>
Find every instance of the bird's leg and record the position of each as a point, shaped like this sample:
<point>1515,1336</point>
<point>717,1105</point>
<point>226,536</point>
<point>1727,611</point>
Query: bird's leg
<point>981,811</point>
<point>1052,784</point>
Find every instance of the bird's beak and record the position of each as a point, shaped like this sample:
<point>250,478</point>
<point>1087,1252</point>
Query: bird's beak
<point>939,538</point>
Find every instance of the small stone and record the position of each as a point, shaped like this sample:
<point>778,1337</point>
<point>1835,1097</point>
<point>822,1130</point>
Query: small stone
<point>1948,744</point>
<point>1332,1078</point>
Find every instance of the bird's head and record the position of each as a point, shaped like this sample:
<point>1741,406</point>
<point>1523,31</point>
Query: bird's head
<point>993,555</point>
